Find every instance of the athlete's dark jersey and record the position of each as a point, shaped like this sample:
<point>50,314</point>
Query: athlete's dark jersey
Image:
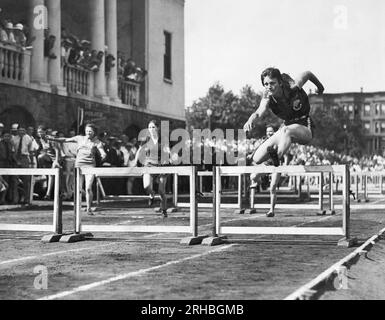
<point>294,107</point>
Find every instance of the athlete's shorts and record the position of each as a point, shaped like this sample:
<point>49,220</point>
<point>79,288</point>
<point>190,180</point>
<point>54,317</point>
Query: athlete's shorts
<point>304,121</point>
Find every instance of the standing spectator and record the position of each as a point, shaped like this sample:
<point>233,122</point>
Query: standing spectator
<point>48,156</point>
<point>10,33</point>
<point>7,160</point>
<point>23,146</point>
<point>21,39</point>
<point>3,33</point>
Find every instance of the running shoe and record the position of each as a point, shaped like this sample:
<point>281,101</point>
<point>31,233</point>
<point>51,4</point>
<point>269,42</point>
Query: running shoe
<point>273,155</point>
<point>270,214</point>
<point>164,213</point>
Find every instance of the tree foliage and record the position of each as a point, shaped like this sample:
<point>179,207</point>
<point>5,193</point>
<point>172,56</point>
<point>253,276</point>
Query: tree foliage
<point>230,111</point>
<point>334,130</point>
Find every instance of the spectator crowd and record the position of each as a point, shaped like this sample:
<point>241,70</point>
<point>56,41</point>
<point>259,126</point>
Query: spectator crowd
<point>79,53</point>
<point>29,147</point>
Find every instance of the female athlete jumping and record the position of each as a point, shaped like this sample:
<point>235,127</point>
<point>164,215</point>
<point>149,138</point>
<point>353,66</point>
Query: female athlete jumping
<point>289,102</point>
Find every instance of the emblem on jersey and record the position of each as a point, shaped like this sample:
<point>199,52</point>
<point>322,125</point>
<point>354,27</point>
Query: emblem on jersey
<point>297,105</point>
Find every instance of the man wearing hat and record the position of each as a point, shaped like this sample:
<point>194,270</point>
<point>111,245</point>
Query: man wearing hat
<point>20,37</point>
<point>3,33</point>
<point>11,35</point>
<point>14,130</point>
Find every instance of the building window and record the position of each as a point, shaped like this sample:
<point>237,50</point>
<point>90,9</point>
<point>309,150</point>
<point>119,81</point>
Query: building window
<point>367,127</point>
<point>383,109</point>
<point>377,109</point>
<point>367,110</point>
<point>383,127</point>
<point>167,56</point>
<point>377,127</point>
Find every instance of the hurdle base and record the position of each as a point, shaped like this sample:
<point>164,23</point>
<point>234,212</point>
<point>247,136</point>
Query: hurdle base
<point>239,211</point>
<point>192,241</point>
<point>76,237</point>
<point>172,210</point>
<point>213,241</point>
<point>51,238</point>
<point>250,211</point>
<point>347,242</point>
<point>321,213</point>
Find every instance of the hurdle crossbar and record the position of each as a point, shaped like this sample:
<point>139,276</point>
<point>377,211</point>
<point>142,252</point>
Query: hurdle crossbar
<point>57,225</point>
<point>128,172</point>
<point>341,170</point>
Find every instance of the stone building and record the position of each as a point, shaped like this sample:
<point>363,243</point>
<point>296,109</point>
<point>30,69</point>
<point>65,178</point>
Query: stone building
<point>38,89</point>
<point>367,106</point>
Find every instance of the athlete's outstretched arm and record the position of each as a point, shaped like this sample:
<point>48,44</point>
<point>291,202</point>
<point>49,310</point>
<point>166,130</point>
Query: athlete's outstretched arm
<point>309,76</point>
<point>260,111</point>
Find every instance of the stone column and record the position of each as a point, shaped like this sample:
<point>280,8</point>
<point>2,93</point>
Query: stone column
<point>37,24</point>
<point>54,25</point>
<point>98,43</point>
<point>112,44</point>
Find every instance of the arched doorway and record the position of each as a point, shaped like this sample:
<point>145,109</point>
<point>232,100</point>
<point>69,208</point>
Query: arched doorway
<point>17,114</point>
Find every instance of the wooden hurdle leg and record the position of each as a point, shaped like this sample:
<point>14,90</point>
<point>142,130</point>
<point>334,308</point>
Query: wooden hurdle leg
<point>215,239</point>
<point>77,236</point>
<point>347,241</point>
<point>357,190</point>
<point>366,198</point>
<point>195,238</point>
<point>331,191</point>
<point>321,212</point>
<point>241,197</point>
<point>58,212</point>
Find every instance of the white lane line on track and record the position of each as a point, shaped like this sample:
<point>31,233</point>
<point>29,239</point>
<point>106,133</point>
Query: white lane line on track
<point>52,254</point>
<point>130,275</point>
<point>298,294</point>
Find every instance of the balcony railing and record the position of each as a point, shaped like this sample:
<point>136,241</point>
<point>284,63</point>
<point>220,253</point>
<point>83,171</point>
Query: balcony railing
<point>14,64</point>
<point>129,92</point>
<point>78,80</point>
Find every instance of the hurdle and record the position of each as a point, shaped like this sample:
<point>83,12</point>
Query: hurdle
<point>340,231</point>
<point>57,224</point>
<point>368,184</point>
<point>100,193</point>
<point>298,193</point>
<point>83,231</point>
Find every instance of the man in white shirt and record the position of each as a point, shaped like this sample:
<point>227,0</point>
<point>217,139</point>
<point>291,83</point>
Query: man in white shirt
<point>22,144</point>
